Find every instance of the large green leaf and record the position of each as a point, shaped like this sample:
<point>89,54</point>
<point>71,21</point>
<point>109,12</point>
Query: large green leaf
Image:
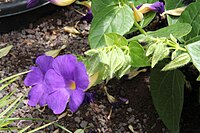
<point>98,5</point>
<point>115,39</point>
<point>179,61</point>
<point>177,30</point>
<point>4,51</point>
<point>137,53</point>
<point>172,4</point>
<point>194,51</point>
<point>191,16</point>
<point>139,2</point>
<point>167,90</point>
<point>160,52</point>
<point>116,18</point>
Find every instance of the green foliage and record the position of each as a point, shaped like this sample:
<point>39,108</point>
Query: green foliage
<point>4,51</point>
<point>109,62</point>
<point>139,2</point>
<point>148,17</point>
<point>113,18</point>
<point>179,61</point>
<point>192,17</point>
<point>194,51</point>
<point>172,4</point>
<point>177,30</point>
<point>167,90</point>
<point>98,5</point>
<point>137,53</point>
<point>115,39</point>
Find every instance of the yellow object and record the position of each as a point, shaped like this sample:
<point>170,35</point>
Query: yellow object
<point>73,85</point>
<point>137,14</point>
<point>62,2</point>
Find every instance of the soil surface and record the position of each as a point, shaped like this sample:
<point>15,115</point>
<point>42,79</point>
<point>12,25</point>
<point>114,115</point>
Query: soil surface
<point>99,116</point>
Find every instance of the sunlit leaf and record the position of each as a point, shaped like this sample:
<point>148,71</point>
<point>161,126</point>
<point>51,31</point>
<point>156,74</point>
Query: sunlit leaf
<point>161,52</point>
<point>137,53</point>
<point>179,61</point>
<point>167,90</point>
<point>193,50</point>
<point>115,39</point>
<point>4,51</point>
<point>116,18</point>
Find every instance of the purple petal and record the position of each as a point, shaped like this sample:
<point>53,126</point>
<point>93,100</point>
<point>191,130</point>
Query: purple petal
<point>88,17</point>
<point>34,77</point>
<point>65,65</point>
<point>35,94</point>
<point>31,3</point>
<point>158,7</point>
<point>81,76</point>
<point>57,101</point>
<point>76,99</point>
<point>54,80</point>
<point>89,97</point>
<point>138,7</point>
<point>44,62</point>
<point>43,99</point>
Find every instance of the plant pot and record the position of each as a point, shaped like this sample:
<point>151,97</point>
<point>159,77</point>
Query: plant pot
<point>14,15</point>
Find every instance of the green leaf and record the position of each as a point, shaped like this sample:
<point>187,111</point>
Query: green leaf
<point>198,79</point>
<point>41,127</point>
<point>139,2</point>
<point>194,39</point>
<point>115,39</point>
<point>172,4</point>
<point>191,16</point>
<point>179,61</point>
<point>79,131</point>
<point>172,19</point>
<point>137,53</point>
<point>167,89</point>
<point>177,30</point>
<point>4,51</point>
<point>193,49</point>
<point>151,49</point>
<point>148,17</point>
<point>161,52</point>
<point>98,5</point>
<point>118,19</point>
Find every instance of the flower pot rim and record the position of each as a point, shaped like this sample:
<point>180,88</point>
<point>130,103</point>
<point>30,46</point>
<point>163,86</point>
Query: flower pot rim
<point>15,8</point>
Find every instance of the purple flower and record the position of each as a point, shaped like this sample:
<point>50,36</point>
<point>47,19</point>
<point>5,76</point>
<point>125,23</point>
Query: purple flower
<point>67,81</point>
<point>35,79</point>
<point>88,17</point>
<point>157,7</point>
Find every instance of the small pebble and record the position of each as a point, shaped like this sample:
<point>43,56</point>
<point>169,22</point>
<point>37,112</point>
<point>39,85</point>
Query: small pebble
<point>77,119</point>
<point>83,124</point>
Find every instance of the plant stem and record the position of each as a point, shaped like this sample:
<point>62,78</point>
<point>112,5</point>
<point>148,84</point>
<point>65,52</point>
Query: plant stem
<point>139,27</point>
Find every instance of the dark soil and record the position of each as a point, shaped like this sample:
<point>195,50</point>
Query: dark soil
<point>46,34</point>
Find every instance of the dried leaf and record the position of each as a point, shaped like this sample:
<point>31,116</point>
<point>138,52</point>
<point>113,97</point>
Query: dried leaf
<point>71,30</point>
<point>55,52</point>
<point>174,12</point>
